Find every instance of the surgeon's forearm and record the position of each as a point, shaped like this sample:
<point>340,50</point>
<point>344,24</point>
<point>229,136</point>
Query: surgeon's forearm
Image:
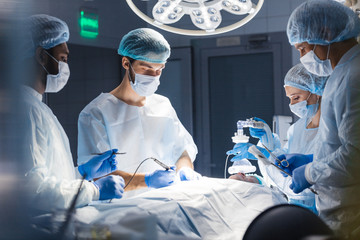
<point>184,161</point>
<point>137,182</point>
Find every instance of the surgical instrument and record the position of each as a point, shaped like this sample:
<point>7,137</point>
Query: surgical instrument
<point>117,153</point>
<point>277,160</point>
<point>161,164</point>
<point>253,150</point>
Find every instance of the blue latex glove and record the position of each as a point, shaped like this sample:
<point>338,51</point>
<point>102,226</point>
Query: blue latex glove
<point>99,166</point>
<point>299,182</point>
<point>257,132</point>
<point>188,174</point>
<point>240,151</point>
<point>110,187</point>
<point>295,160</point>
<point>160,178</point>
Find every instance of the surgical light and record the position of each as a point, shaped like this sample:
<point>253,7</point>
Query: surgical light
<point>206,15</point>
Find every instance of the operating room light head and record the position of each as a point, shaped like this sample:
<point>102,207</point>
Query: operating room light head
<point>204,14</point>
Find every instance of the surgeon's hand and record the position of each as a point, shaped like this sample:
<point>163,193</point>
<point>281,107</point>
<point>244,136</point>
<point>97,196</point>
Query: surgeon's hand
<point>161,178</point>
<point>257,132</point>
<point>99,166</point>
<point>295,160</point>
<point>240,151</point>
<point>188,174</point>
<point>110,187</point>
<point>299,182</point>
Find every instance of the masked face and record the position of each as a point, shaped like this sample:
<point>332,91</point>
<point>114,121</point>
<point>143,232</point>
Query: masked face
<point>54,83</point>
<point>313,64</point>
<point>303,110</point>
<point>144,85</point>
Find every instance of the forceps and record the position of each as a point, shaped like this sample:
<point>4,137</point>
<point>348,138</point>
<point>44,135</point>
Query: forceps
<point>284,162</point>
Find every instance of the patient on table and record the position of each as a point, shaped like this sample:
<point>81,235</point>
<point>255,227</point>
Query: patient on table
<point>246,178</point>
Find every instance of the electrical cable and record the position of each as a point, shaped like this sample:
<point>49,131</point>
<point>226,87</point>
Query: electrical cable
<point>138,169</point>
<point>226,161</point>
<point>156,160</point>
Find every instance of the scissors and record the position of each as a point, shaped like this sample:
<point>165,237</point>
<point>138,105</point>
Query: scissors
<point>284,162</point>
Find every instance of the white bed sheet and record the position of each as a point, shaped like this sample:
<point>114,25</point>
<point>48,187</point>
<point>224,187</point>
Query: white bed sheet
<point>210,208</point>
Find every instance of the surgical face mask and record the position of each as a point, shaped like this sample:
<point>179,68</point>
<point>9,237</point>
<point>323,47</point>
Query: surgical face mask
<point>316,66</point>
<point>144,85</point>
<point>302,110</point>
<point>54,83</point>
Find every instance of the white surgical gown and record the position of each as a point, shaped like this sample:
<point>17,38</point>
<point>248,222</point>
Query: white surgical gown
<point>51,179</point>
<point>300,140</point>
<point>153,130</point>
<point>336,166</point>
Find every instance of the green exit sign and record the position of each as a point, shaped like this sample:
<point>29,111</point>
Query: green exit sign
<point>89,23</point>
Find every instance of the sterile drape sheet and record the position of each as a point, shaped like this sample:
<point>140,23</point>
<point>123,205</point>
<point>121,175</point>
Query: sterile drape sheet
<point>210,208</point>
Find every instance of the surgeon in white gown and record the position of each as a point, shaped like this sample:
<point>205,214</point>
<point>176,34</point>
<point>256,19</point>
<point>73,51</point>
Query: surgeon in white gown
<point>135,120</point>
<point>51,179</point>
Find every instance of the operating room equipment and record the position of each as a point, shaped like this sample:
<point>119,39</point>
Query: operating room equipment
<point>264,160</point>
<point>280,127</point>
<point>284,162</point>
<point>253,123</point>
<point>205,15</point>
<point>240,137</point>
<point>161,164</point>
<point>243,166</point>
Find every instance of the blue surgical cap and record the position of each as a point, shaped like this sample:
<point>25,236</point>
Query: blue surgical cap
<point>146,45</point>
<point>322,22</point>
<point>45,31</point>
<point>300,78</point>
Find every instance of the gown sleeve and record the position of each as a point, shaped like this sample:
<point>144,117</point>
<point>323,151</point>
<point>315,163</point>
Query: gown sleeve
<point>47,191</point>
<point>92,137</point>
